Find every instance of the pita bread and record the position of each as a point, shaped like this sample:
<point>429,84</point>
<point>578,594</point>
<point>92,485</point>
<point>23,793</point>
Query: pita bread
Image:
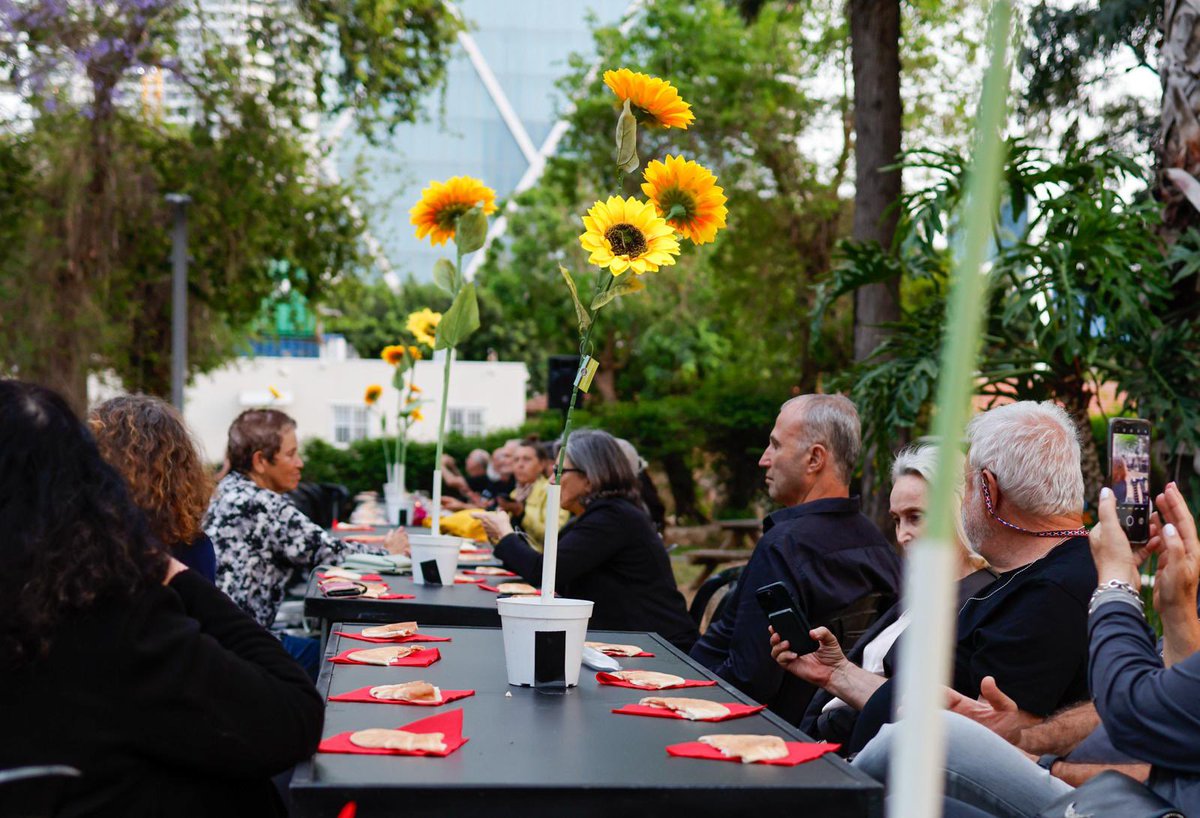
<point>516,588</point>
<point>393,629</point>
<point>374,589</point>
<point>341,573</point>
<point>613,649</point>
<point>381,656</point>
<point>692,709</point>
<point>380,739</point>
<point>747,747</point>
<point>473,557</point>
<point>422,692</point>
<point>491,571</point>
<point>649,679</point>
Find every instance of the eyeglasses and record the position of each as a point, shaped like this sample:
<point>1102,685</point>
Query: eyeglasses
<point>987,501</point>
<point>577,471</point>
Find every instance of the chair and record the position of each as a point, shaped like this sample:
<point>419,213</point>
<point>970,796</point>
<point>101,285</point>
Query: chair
<point>852,622</point>
<point>712,597</point>
<point>34,792</point>
<point>321,502</point>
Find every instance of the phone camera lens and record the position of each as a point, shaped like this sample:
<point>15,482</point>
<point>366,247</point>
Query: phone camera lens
<point>1129,520</point>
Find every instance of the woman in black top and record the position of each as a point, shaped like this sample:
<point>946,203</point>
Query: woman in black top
<point>114,658</point>
<point>610,553</point>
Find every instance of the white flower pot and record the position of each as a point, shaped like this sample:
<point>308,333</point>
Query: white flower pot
<point>397,500</point>
<point>522,619</point>
<point>432,552</point>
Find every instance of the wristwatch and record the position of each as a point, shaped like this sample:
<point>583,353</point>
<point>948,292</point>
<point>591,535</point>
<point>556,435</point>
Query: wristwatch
<point>1046,762</point>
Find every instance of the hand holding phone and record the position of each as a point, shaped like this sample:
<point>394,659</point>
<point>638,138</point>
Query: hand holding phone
<point>786,617</point>
<point>1129,475</point>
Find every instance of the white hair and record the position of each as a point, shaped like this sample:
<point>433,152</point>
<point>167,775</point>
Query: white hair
<point>1032,449</point>
<point>832,421</point>
<point>920,460</point>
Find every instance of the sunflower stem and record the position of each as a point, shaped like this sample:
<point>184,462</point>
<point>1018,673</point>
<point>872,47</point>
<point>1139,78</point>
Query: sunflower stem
<point>603,283</point>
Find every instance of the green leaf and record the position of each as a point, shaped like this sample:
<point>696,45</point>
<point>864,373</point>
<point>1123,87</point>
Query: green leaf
<point>471,231</point>
<point>460,320</point>
<point>585,320</point>
<point>398,378</point>
<point>445,275</point>
<point>627,158</point>
<point>625,286</point>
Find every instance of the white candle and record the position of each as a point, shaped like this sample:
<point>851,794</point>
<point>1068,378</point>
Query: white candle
<point>436,513</point>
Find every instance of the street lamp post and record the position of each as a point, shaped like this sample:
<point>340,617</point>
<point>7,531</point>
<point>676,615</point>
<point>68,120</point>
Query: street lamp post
<point>179,265</point>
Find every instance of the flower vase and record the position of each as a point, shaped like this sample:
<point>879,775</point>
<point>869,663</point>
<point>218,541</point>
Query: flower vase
<point>399,502</point>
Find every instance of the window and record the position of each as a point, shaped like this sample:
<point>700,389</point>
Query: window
<point>467,422</point>
<point>349,423</point>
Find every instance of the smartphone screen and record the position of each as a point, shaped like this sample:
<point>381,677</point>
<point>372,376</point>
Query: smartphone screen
<point>786,618</point>
<point>1129,474</point>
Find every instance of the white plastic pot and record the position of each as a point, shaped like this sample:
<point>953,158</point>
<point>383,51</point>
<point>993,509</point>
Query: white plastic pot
<point>523,618</point>
<point>436,548</point>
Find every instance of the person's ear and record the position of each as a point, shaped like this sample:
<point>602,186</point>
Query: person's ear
<point>818,457</point>
<point>259,462</point>
<point>988,479</point>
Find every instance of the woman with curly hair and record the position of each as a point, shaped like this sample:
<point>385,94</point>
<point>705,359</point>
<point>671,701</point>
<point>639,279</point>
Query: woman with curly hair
<point>117,660</point>
<point>147,442</point>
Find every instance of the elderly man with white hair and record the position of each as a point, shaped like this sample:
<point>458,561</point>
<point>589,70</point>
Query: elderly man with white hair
<point>1023,512</point>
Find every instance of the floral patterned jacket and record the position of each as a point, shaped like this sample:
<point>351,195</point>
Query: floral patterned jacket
<point>260,539</point>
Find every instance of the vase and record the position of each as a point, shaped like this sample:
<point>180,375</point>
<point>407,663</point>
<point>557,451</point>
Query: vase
<point>543,640</point>
<point>434,558</point>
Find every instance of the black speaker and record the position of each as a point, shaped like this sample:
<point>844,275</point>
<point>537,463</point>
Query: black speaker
<point>560,380</point>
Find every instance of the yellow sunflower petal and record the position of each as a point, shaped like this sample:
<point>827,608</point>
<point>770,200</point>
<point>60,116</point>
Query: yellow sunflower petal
<point>656,98</point>
<point>689,191</point>
<point>436,214</point>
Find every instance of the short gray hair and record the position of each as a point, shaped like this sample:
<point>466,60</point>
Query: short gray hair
<point>920,460</point>
<point>1032,449</point>
<point>597,454</point>
<point>832,421</point>
<point>479,456</point>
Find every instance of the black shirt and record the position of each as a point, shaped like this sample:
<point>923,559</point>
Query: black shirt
<point>1029,630</point>
<point>829,555</point>
<point>612,555</point>
<point>174,703</point>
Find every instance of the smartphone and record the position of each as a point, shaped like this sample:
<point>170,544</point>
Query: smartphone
<point>1129,475</point>
<point>342,587</point>
<point>786,617</point>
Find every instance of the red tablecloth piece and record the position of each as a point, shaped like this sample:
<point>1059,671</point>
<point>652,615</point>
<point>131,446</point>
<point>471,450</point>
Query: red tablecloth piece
<point>475,572</point>
<point>387,596</point>
<point>363,694</point>
<point>736,711</point>
<point>449,724</point>
<point>422,658</point>
<point>609,679</point>
<point>363,577</point>
<point>798,753</point>
<point>394,640</point>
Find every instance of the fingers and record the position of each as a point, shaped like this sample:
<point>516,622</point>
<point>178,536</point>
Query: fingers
<point>825,637</point>
<point>1107,509</point>
<point>1174,510</point>
<point>990,692</point>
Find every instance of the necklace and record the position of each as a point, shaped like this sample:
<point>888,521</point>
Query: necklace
<point>1010,577</point>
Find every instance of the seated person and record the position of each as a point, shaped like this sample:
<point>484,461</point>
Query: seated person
<point>526,506</point>
<point>115,658</point>
<point>646,488</point>
<point>1147,701</point>
<point>260,537</point>
<point>820,546</point>
<point>1023,512</point>
<point>847,682</point>
<point>147,442</point>
<point>610,552</point>
<point>478,486</point>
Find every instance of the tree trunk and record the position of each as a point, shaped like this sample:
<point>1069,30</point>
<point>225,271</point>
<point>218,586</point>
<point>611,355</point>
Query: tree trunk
<point>875,54</point>
<point>683,489</point>
<point>1078,401</point>
<point>1178,143</point>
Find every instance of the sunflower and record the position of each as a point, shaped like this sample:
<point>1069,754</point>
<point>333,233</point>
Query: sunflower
<point>412,387</point>
<point>416,415</point>
<point>626,234</point>
<point>372,394</point>
<point>686,195</point>
<point>655,98</point>
<point>394,354</point>
<point>422,324</point>
<point>275,393</point>
<point>416,355</point>
<point>436,215</point>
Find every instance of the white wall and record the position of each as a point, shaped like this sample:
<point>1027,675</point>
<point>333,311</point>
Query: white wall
<point>311,387</point>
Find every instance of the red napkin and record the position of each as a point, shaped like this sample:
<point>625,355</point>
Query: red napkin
<point>449,724</point>
<point>642,655</point>
<point>609,679</point>
<point>364,577</point>
<point>496,590</point>
<point>388,596</point>
<point>474,572</point>
<point>798,752</point>
<point>736,711</point>
<point>422,658</point>
<point>467,580</point>
<point>363,694</point>
<point>394,640</point>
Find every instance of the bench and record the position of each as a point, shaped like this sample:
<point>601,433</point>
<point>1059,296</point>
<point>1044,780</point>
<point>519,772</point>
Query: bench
<point>712,558</point>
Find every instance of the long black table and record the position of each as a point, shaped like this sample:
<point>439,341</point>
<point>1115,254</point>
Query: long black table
<point>559,755</point>
<point>431,604</point>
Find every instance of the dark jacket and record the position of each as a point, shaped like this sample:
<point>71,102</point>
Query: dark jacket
<point>828,555</point>
<point>176,703</point>
<point>612,555</point>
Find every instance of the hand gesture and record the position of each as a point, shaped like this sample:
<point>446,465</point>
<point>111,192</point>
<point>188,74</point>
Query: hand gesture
<point>817,667</point>
<point>396,542</point>
<point>495,523</point>
<point>1114,557</point>
<point>993,709</point>
<point>1173,537</point>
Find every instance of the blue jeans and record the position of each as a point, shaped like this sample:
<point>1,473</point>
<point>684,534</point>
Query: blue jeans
<point>982,770</point>
<point>307,652</point>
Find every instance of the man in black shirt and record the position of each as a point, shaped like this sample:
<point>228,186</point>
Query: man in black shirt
<point>820,546</point>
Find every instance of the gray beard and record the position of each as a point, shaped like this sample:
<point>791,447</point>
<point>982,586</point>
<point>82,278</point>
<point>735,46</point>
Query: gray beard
<point>975,525</point>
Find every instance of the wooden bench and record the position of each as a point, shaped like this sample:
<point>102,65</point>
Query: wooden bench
<point>740,533</point>
<point>712,558</point>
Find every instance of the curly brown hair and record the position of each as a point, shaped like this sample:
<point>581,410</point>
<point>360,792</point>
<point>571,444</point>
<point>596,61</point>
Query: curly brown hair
<point>146,440</point>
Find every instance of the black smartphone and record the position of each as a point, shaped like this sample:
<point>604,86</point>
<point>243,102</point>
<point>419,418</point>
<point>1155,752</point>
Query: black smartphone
<point>786,617</point>
<point>1129,475</point>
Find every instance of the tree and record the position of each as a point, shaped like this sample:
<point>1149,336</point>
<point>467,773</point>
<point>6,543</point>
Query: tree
<point>86,270</point>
